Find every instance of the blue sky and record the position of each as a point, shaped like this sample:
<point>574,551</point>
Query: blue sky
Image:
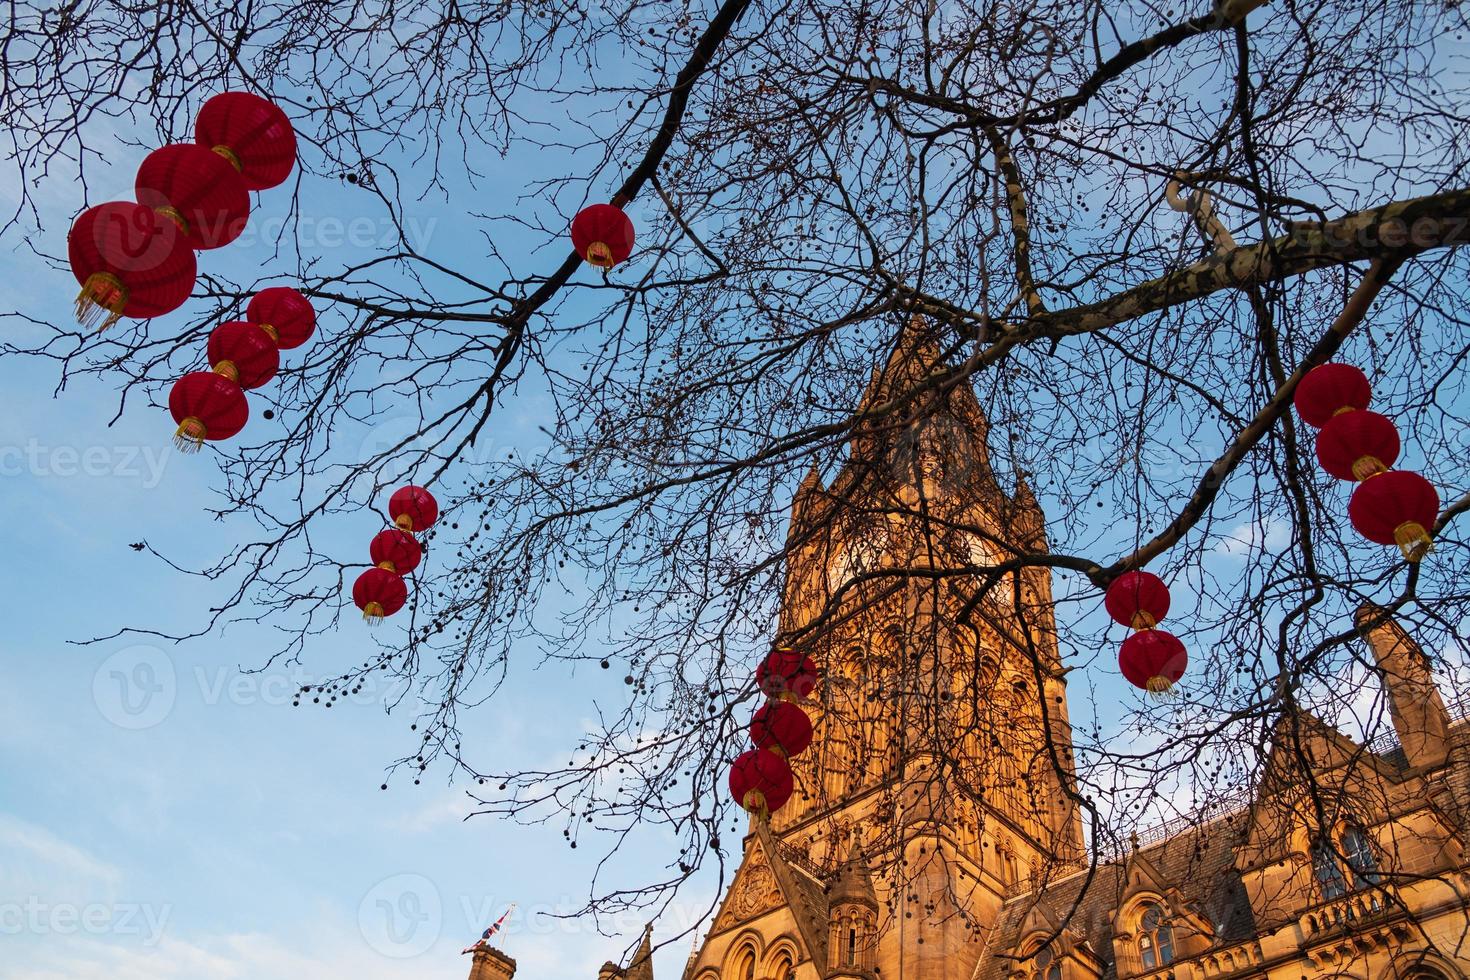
<point>165,811</point>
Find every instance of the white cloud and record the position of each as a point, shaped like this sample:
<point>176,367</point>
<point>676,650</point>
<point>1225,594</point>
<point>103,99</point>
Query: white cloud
<point>28,840</point>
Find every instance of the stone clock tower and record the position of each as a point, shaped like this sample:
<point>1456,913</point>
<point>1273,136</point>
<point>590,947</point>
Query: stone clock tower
<point>940,773</point>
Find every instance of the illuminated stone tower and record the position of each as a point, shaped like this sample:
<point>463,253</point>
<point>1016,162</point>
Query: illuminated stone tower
<point>933,834</point>
<point>940,773</point>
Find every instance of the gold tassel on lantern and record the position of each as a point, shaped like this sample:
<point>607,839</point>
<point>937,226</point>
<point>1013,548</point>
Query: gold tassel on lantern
<point>101,301</point>
<point>1160,688</point>
<point>1413,540</point>
<point>189,436</point>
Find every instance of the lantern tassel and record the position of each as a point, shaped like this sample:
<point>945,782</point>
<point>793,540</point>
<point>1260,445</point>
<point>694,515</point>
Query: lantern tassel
<point>1413,540</point>
<point>1143,620</point>
<point>372,613</point>
<point>755,804</point>
<point>1160,688</point>
<point>600,255</point>
<point>189,436</point>
<point>405,523</point>
<point>101,301</point>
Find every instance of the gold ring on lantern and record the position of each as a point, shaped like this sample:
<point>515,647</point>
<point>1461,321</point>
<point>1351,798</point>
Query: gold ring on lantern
<point>229,155</point>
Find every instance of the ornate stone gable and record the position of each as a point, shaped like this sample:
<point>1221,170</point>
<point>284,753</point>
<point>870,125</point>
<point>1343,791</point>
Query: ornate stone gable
<point>753,893</point>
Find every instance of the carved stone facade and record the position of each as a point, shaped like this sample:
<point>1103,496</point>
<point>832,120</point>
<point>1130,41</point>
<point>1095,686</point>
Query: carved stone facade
<point>879,869</point>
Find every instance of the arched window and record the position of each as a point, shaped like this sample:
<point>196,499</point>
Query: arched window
<point>1360,857</point>
<point>1046,965</point>
<point>783,969</point>
<point>1330,880</point>
<point>744,965</point>
<point>1155,937</point>
<point>851,946</point>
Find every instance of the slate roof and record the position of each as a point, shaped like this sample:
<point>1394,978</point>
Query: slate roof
<point>1198,863</point>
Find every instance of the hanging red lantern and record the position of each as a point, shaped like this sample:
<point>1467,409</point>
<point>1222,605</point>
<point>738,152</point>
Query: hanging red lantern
<point>1357,445</point>
<point>1329,390</point>
<point>1153,660</point>
<point>243,353</point>
<point>781,726</point>
<point>379,593</point>
<point>206,406</point>
<point>197,190</point>
<point>761,781</point>
<point>1138,600</point>
<point>251,133</point>
<point>786,673</point>
<point>396,551</point>
<point>283,313</point>
<point>603,235</point>
<point>413,509</point>
<point>1397,507</point>
<point>130,261</point>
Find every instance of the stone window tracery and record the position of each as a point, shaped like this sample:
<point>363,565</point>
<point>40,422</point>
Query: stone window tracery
<point>1155,937</point>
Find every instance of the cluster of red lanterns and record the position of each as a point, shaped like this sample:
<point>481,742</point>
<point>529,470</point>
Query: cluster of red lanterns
<point>1389,506</point>
<point>602,234</point>
<point>380,591</point>
<point>1150,659</point>
<point>137,259</point>
<point>760,778</point>
<point>243,354</point>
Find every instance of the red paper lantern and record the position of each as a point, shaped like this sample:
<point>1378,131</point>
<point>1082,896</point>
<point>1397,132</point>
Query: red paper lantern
<point>1331,389</point>
<point>379,593</point>
<point>1153,660</point>
<point>283,313</point>
<point>206,406</point>
<point>253,134</point>
<point>1397,507</point>
<point>130,261</point>
<point>761,781</point>
<point>787,673</point>
<point>244,353</point>
<point>781,726</point>
<point>199,191</point>
<point>1138,600</point>
<point>603,235</point>
<point>395,551</point>
<point>413,508</point>
<point>1357,445</point>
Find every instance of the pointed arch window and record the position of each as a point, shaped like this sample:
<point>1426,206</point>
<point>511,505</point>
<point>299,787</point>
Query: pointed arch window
<point>1047,966</point>
<point>1361,860</point>
<point>744,965</point>
<point>1155,937</point>
<point>783,969</point>
<point>1331,882</point>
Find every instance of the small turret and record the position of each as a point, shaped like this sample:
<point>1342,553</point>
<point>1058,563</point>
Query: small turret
<point>491,964</point>
<point>1418,712</point>
<point>853,920</point>
<point>642,966</point>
